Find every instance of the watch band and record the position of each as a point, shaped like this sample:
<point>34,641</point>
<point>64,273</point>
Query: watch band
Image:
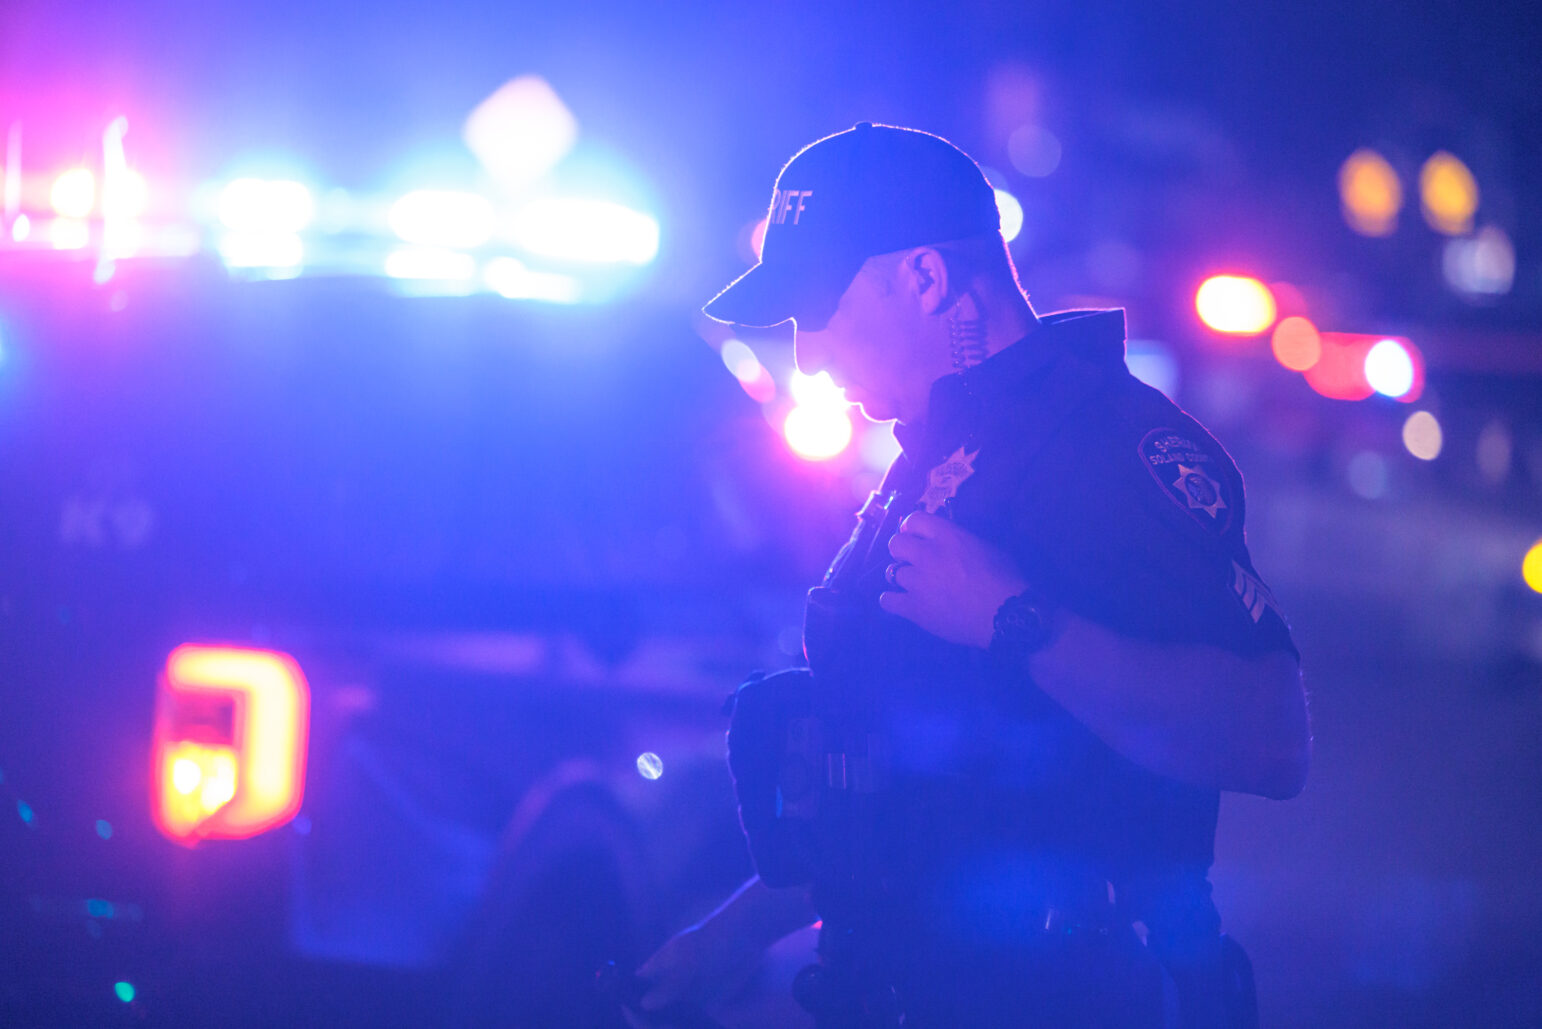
<point>1024,625</point>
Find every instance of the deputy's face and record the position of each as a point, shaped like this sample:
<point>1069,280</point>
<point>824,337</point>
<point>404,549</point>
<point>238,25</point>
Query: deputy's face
<point>866,346</point>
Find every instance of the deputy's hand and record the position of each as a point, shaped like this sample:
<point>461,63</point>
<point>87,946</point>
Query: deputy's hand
<point>952,580</point>
<point>698,966</point>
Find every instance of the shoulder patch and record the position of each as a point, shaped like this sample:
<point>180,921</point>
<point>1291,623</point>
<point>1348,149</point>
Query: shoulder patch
<point>1190,475</point>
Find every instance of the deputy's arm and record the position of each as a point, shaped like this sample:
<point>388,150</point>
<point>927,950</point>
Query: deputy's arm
<point>1195,713</point>
<point>708,960</point>
<point>1198,714</point>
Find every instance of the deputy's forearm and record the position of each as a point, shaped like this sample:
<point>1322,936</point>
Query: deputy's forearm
<point>1198,714</point>
<point>758,915</point>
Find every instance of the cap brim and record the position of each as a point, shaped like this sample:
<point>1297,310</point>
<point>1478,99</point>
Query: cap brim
<point>769,294</point>
<point>758,298</point>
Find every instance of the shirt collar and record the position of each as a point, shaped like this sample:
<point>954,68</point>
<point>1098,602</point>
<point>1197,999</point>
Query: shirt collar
<point>1095,336</point>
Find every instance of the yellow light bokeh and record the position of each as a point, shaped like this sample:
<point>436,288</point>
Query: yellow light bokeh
<point>196,783</point>
<point>1449,194</point>
<point>1297,344</point>
<point>1235,305</point>
<point>1370,193</point>
<point>1531,566</point>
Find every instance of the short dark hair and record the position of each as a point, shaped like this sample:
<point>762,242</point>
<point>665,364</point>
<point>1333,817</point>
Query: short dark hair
<point>970,260</point>
<point>983,258</point>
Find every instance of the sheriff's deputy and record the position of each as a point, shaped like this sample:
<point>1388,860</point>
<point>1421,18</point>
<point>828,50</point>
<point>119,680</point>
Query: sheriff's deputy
<point>1040,658</point>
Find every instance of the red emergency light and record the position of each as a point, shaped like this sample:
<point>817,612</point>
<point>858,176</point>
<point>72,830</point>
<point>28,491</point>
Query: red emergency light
<point>228,760</point>
<point>1354,366</point>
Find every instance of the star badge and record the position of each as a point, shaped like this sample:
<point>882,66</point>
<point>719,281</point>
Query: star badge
<point>943,481</point>
<point>1202,492</point>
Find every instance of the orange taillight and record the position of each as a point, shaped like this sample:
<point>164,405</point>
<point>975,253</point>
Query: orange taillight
<point>228,760</point>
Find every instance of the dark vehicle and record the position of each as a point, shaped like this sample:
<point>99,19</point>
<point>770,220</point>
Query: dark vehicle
<point>459,587</point>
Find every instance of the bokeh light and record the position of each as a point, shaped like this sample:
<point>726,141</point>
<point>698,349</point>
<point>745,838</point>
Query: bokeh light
<point>817,433</point>
<point>74,193</point>
<point>649,765</point>
<point>879,447</point>
<point>124,991</point>
<point>68,233</point>
<point>21,228</point>
<point>1368,475</point>
<point>1448,194</point>
<point>521,132</point>
<point>1034,151</point>
<point>1153,363</point>
<point>1482,265</point>
<point>281,250</point>
<point>1011,215</point>
<point>1422,435</point>
<point>430,263</point>
<point>442,218</point>
<point>819,426</point>
<point>509,277</point>
<point>104,828</point>
<point>1531,566</point>
<point>1496,451</point>
<point>740,360</point>
<point>1235,305</point>
<point>185,775</point>
<point>1296,343</point>
<point>1370,193</point>
<point>1339,372</point>
<point>266,206</point>
<point>818,390</point>
<point>588,231</point>
<point>758,238</point>
<point>1389,368</point>
<point>125,195</point>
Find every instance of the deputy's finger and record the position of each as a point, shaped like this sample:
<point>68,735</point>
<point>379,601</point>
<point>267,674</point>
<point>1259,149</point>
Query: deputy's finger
<point>903,575</point>
<point>927,526</point>
<point>902,604</point>
<point>907,547</point>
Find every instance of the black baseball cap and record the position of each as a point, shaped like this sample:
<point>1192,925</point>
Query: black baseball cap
<point>870,190</point>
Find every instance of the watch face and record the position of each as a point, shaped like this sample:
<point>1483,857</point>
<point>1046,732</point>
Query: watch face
<point>1021,627</point>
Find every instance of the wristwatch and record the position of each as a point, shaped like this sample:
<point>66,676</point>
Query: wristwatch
<point>1024,626</point>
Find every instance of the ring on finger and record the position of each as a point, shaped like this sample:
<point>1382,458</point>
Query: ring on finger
<point>891,573</point>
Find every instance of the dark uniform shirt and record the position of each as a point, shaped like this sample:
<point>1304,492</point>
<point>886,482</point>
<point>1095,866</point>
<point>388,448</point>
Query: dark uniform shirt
<point>989,803</point>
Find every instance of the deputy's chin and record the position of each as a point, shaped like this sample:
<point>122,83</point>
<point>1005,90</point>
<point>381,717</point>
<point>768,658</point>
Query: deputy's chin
<point>875,411</point>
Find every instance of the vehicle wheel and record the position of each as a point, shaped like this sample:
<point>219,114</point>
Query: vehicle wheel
<point>566,896</point>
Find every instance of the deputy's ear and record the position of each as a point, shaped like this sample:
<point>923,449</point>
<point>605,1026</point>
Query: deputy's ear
<point>927,276</point>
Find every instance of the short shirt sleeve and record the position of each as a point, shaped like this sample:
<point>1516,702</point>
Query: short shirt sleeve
<point>1132,516</point>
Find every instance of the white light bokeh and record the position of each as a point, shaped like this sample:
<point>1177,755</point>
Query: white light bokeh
<point>817,433</point>
<point>816,391</point>
<point>430,263</point>
<point>1422,435</point>
<point>587,231</point>
<point>261,250</point>
<point>267,206</point>
<point>74,193</point>
<point>1389,369</point>
<point>521,131</point>
<point>509,277</point>
<point>442,218</point>
<point>1011,215</point>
